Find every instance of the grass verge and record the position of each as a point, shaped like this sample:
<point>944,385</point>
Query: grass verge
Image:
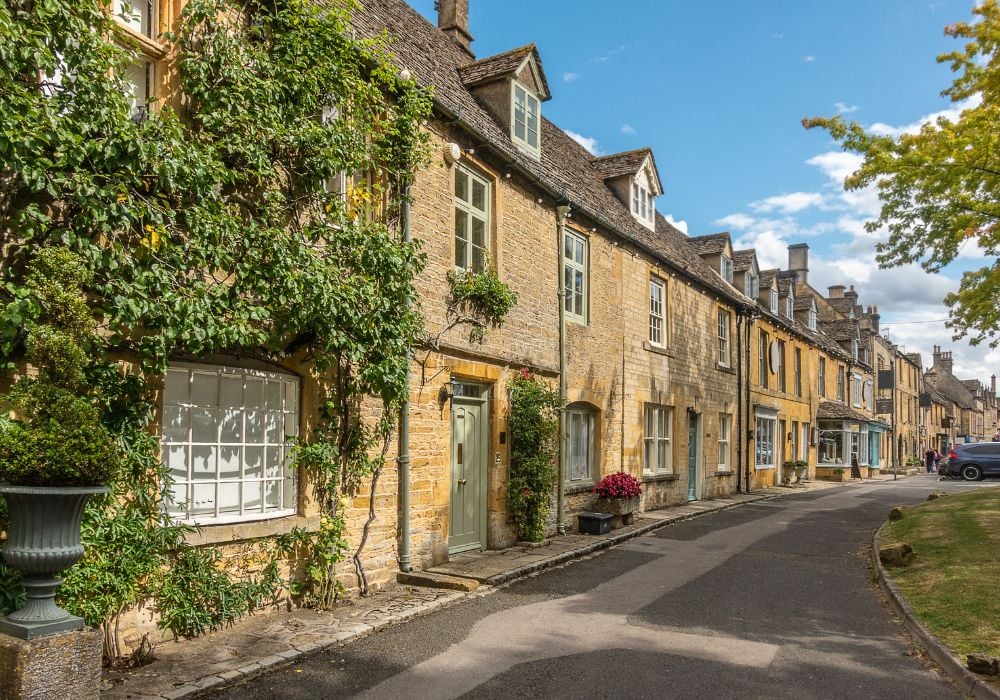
<point>953,581</point>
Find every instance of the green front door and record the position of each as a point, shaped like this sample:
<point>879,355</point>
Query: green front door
<point>692,456</point>
<point>468,473</point>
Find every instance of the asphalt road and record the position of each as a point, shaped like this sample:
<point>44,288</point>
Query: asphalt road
<point>769,600</point>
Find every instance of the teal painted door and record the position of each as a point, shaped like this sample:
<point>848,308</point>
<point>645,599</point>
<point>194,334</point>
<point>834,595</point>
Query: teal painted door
<point>468,475</point>
<point>693,456</point>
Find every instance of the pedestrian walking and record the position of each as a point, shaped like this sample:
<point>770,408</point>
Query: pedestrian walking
<point>929,460</point>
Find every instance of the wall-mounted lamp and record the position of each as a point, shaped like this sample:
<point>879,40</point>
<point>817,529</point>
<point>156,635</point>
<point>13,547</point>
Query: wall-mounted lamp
<point>471,151</point>
<point>447,391</point>
<point>452,153</point>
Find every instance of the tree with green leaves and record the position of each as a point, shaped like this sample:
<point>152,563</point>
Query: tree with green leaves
<point>940,188</point>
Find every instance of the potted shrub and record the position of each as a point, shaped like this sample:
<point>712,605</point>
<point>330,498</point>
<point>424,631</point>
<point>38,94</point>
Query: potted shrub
<point>618,494</point>
<point>54,451</point>
<point>799,466</point>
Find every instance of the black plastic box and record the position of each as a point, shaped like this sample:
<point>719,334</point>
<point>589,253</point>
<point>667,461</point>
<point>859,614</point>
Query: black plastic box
<point>594,523</point>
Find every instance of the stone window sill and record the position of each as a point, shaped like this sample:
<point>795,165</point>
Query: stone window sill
<point>239,532</point>
<point>724,368</point>
<point>656,349</point>
<point>570,490</point>
<point>652,478</point>
<point>724,472</point>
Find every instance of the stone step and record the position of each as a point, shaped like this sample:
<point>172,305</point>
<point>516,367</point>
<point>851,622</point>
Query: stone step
<point>427,579</point>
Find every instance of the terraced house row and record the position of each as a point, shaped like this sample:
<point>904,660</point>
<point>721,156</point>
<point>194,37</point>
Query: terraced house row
<point>684,363</point>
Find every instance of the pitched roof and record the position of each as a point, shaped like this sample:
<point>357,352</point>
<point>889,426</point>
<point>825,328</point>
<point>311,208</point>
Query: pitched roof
<point>626,163</point>
<point>502,64</point>
<point>743,259</point>
<point>950,387</point>
<point>804,302</point>
<point>710,244</point>
<point>767,278</point>
<point>565,169</point>
<point>837,410</point>
<point>844,330</point>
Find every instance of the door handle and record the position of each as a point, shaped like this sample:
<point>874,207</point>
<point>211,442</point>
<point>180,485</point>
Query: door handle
<point>461,482</point>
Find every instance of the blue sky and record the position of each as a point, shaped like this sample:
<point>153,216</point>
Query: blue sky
<point>718,90</point>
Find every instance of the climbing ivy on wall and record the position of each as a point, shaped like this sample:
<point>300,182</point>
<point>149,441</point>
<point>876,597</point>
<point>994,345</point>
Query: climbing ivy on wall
<point>533,421</point>
<point>212,230</point>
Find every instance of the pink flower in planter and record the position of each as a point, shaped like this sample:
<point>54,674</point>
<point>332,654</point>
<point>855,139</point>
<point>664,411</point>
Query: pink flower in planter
<point>618,485</point>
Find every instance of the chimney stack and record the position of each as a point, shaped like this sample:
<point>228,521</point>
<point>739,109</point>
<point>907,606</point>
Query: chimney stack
<point>942,359</point>
<point>836,291</point>
<point>798,261</point>
<point>453,20</point>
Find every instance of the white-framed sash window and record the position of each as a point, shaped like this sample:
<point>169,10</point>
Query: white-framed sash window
<point>575,262</point>
<point>657,312</point>
<point>472,219</point>
<point>658,422</point>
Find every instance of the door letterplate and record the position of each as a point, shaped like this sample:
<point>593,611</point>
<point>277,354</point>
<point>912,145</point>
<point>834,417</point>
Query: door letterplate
<point>459,453</point>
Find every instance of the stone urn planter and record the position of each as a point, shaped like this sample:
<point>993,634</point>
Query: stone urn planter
<point>43,539</point>
<point>623,509</point>
<point>618,494</point>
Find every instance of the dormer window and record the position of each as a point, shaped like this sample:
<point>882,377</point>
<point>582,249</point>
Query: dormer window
<point>726,268</point>
<point>527,115</point>
<point>642,203</point>
<point>812,319</point>
<point>790,306</point>
<point>751,286</point>
<point>774,300</point>
<point>854,349</point>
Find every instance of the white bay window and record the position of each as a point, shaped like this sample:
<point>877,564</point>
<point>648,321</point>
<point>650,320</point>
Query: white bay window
<point>227,437</point>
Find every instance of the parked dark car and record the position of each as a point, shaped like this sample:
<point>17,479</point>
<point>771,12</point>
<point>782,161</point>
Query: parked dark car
<point>973,461</point>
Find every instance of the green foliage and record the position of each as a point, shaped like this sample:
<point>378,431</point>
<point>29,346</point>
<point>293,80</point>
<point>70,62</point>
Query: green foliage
<point>322,551</point>
<point>533,421</point>
<point>940,187</point>
<point>56,438</point>
<point>480,299</point>
<point>207,232</point>
<point>197,595</point>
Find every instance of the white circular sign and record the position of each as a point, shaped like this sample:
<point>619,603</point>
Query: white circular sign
<point>775,353</point>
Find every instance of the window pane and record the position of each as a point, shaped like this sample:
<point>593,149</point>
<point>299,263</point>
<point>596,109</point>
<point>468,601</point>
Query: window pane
<point>203,425</point>
<point>229,462</point>
<point>462,185</point>
<point>204,389</point>
<point>478,195</point>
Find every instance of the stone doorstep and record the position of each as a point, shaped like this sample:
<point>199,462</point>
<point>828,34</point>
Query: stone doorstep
<point>434,580</point>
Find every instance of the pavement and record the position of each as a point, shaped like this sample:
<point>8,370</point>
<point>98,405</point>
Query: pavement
<point>273,639</point>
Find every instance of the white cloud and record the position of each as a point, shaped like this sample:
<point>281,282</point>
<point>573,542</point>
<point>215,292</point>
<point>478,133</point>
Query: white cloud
<point>950,114</point>
<point>739,222</point>
<point>627,129</point>
<point>570,77</point>
<point>789,203</point>
<point>680,225</point>
<point>844,108</point>
<point>586,141</point>
<point>809,59</point>
<point>836,165</point>
<point>771,247</point>
<point>777,35</point>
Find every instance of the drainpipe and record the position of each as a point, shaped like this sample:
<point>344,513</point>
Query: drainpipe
<point>746,393</point>
<point>739,400</point>
<point>562,211</point>
<point>403,451</point>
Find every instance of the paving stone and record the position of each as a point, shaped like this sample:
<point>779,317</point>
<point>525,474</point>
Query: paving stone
<point>209,681</point>
<point>181,692</point>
